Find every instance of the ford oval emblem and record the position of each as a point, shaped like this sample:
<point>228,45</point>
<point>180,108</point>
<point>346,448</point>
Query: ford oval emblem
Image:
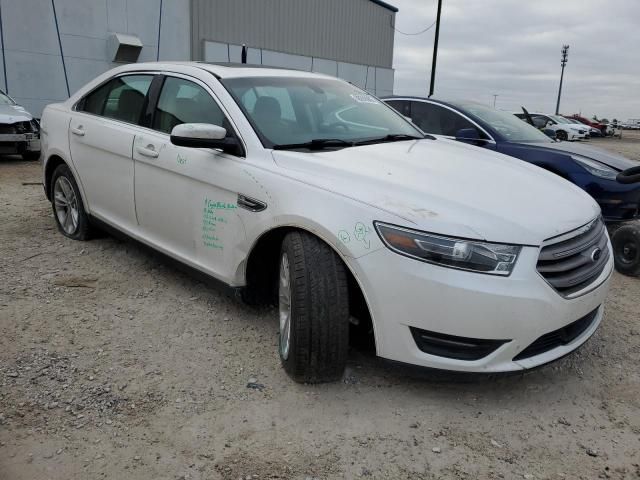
<point>596,254</point>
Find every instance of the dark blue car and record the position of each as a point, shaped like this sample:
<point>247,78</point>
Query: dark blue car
<point>612,180</point>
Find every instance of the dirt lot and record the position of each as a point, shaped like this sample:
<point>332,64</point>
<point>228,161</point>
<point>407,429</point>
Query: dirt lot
<point>116,365</point>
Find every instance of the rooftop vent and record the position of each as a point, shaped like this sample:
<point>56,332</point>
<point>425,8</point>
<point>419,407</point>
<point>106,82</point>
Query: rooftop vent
<point>123,48</point>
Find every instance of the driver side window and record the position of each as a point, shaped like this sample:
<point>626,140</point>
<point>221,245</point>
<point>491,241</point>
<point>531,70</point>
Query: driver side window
<point>182,101</point>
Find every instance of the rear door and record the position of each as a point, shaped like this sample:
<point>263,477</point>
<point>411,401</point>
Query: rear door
<point>101,134</point>
<point>186,198</point>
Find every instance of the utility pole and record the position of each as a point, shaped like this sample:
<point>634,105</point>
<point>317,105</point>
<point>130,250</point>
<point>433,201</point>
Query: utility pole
<point>563,62</point>
<point>435,50</point>
<point>495,95</point>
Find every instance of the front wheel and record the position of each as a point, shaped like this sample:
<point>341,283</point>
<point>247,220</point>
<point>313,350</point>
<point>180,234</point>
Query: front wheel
<point>313,303</point>
<point>626,249</point>
<point>562,135</point>
<point>68,209</point>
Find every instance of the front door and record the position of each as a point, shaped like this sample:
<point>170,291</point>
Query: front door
<point>186,198</point>
<point>101,134</point>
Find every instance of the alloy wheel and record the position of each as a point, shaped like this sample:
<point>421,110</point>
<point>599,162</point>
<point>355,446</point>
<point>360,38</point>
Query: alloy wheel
<point>284,302</point>
<point>66,205</point>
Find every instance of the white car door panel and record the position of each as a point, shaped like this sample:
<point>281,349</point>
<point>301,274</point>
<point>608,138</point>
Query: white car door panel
<point>101,135</point>
<point>101,153</point>
<point>186,198</point>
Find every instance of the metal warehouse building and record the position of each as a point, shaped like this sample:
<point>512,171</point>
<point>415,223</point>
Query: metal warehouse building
<point>50,48</point>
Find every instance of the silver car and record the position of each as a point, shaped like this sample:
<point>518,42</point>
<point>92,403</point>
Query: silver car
<point>19,131</point>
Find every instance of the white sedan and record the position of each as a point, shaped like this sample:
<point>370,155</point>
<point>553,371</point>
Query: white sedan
<point>563,128</point>
<point>305,191</point>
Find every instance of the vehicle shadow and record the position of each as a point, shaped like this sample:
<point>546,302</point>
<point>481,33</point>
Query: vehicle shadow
<point>4,158</point>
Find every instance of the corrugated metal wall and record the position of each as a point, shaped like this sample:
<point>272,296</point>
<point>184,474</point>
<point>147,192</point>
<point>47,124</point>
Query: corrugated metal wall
<point>357,31</point>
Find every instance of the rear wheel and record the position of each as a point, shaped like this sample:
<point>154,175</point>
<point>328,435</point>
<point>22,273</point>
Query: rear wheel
<point>68,209</point>
<point>626,249</point>
<point>313,303</point>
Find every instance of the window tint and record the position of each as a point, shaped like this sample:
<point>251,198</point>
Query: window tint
<point>182,101</point>
<point>540,122</point>
<point>402,106</point>
<point>121,99</point>
<point>438,120</point>
<point>94,102</point>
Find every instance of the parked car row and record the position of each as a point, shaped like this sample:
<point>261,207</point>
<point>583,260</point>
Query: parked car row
<point>304,191</point>
<point>562,128</point>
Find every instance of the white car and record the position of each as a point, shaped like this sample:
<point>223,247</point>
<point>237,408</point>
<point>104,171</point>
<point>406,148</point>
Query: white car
<point>563,128</point>
<point>19,131</point>
<point>301,189</point>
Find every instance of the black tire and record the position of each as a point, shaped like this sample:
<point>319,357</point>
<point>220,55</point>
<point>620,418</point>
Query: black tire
<point>626,249</point>
<point>31,156</point>
<point>562,135</point>
<point>319,310</point>
<point>83,230</point>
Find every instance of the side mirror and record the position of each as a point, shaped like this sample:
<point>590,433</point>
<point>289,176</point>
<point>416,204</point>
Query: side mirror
<point>468,135</point>
<point>204,135</point>
<point>550,133</point>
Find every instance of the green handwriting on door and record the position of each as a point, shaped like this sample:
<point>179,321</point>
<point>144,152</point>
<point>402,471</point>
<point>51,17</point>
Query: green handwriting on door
<point>213,219</point>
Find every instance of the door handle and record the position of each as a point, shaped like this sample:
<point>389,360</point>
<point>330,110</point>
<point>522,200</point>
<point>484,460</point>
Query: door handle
<point>79,131</point>
<point>148,151</point>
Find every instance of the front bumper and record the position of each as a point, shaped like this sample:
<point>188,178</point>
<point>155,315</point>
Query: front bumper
<point>618,201</point>
<point>573,135</point>
<point>19,143</point>
<point>403,293</point>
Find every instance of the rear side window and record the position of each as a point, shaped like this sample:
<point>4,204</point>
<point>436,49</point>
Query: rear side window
<point>182,101</point>
<point>122,98</point>
<point>438,120</point>
<point>401,106</point>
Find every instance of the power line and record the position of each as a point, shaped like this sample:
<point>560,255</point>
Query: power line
<point>412,34</point>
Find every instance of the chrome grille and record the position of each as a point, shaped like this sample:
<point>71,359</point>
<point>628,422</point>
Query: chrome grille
<point>574,263</point>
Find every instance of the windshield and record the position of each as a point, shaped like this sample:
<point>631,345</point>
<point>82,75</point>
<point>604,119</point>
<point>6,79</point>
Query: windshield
<point>288,111</point>
<point>508,125</point>
<point>5,100</point>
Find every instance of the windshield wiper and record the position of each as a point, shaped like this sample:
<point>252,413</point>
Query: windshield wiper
<point>394,137</point>
<point>316,144</point>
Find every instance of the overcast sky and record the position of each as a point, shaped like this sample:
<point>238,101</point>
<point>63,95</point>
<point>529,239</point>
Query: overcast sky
<point>512,48</point>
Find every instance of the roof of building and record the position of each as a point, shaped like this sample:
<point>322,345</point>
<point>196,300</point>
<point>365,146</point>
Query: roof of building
<point>385,5</point>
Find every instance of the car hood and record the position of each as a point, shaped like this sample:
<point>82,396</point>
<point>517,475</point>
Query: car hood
<point>450,188</point>
<point>14,113</point>
<point>611,159</point>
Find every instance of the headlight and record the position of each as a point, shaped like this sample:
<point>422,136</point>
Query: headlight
<point>483,257</point>
<point>596,168</point>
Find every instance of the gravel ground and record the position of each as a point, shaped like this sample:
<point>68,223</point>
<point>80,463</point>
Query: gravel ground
<point>114,364</point>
